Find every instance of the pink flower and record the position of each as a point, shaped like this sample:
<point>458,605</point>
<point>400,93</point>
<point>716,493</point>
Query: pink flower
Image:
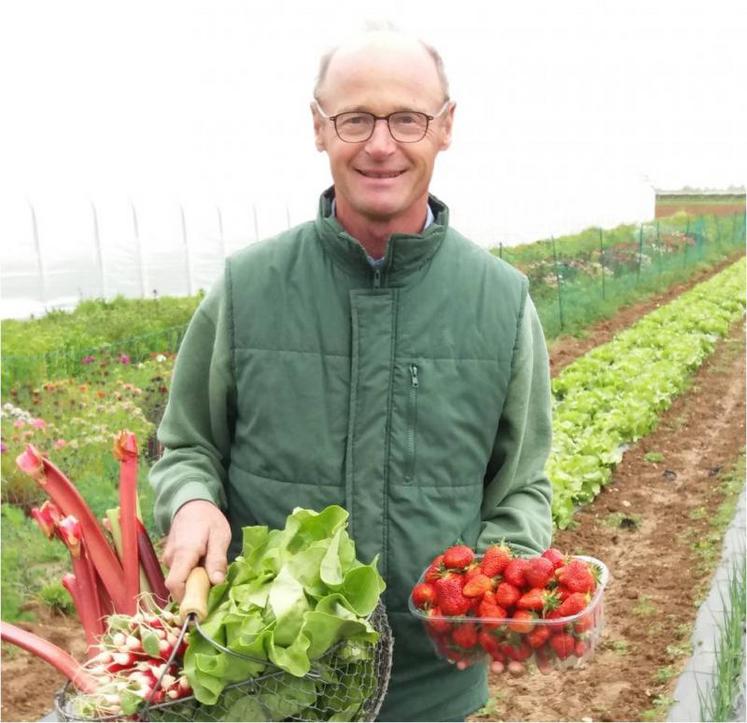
<point>19,424</point>
<point>38,423</point>
<point>88,359</point>
<point>124,359</point>
<point>59,444</point>
<point>2,447</point>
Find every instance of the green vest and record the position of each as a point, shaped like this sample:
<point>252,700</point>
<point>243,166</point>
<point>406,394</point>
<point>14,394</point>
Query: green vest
<point>381,391</point>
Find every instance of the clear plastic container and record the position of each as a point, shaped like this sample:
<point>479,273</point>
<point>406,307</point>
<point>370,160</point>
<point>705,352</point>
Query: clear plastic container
<point>550,644</point>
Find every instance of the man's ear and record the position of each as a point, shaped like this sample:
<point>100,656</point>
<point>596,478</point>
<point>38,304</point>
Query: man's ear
<point>319,137</point>
<point>446,125</point>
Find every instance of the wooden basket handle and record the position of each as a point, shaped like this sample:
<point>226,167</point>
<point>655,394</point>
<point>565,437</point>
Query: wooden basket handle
<point>195,597</point>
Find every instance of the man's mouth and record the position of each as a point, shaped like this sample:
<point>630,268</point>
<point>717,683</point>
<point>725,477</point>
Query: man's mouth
<point>379,174</point>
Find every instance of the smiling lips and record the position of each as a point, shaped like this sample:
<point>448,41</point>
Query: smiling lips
<point>379,174</point>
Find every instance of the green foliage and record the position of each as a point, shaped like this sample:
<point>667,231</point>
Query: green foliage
<point>614,395</point>
<point>60,343</point>
<point>56,598</point>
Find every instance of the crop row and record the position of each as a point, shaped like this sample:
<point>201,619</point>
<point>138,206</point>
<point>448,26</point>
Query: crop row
<point>615,394</point>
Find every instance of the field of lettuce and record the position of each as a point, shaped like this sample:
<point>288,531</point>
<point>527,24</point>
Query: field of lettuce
<point>72,381</point>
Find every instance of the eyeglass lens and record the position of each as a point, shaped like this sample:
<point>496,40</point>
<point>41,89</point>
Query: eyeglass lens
<point>405,126</point>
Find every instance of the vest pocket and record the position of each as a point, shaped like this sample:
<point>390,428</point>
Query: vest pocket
<point>412,423</point>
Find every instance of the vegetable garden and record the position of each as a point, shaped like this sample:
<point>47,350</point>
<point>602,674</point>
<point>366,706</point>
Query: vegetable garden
<point>70,394</point>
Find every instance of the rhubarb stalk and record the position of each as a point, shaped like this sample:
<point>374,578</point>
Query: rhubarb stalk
<point>151,566</point>
<point>125,449</point>
<point>68,499</point>
<point>49,652</point>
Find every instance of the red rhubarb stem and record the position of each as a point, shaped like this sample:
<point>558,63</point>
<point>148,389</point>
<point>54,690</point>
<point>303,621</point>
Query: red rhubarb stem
<point>82,602</point>
<point>125,449</point>
<point>49,652</point>
<point>68,499</point>
<point>151,566</point>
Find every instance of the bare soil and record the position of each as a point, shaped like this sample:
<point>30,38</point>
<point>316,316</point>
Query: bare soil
<point>658,508</point>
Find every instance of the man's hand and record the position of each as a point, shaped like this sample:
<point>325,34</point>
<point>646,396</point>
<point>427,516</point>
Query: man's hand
<point>199,532</point>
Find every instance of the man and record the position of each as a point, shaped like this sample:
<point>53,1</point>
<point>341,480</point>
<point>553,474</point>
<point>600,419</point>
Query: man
<point>372,358</point>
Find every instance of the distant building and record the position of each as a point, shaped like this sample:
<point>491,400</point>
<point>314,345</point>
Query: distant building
<point>700,201</point>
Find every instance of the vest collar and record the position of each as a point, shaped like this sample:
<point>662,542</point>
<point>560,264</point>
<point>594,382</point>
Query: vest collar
<point>404,253</point>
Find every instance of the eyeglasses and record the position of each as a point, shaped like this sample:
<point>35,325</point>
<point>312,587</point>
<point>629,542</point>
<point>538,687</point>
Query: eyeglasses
<point>405,126</point>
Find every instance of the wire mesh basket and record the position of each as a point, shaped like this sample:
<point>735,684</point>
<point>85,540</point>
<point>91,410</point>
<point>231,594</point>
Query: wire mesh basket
<point>348,683</point>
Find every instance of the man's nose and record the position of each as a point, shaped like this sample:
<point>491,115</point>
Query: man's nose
<point>381,141</point>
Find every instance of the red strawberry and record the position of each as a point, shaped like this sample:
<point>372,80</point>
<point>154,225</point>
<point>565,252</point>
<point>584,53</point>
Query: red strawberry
<point>506,595</point>
<point>555,556</point>
<point>487,612</point>
<point>465,636</point>
<point>522,621</point>
<point>573,604</point>
<point>538,571</point>
<point>520,651</point>
<point>538,637</point>
<point>489,595</point>
<point>435,569</point>
<point>472,571</point>
<point>436,623</point>
<point>584,623</point>
<point>537,599</point>
<point>563,644</point>
<point>458,557</point>
<point>495,559</point>
<point>514,572</point>
<point>424,595</point>
<point>576,576</point>
<point>477,586</point>
<point>552,615</point>
<point>562,592</point>
<point>580,648</point>
<point>488,643</point>
<point>450,597</point>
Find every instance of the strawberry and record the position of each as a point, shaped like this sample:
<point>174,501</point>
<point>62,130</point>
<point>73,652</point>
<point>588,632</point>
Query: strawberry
<point>580,648</point>
<point>488,643</point>
<point>522,621</point>
<point>506,595</point>
<point>472,571</point>
<point>424,595</point>
<point>584,623</point>
<point>537,599</point>
<point>458,557</point>
<point>449,595</point>
<point>573,604</point>
<point>520,651</point>
<point>563,644</point>
<point>538,571</point>
<point>465,636</point>
<point>552,615</point>
<point>538,637</point>
<point>495,559</point>
<point>576,576</point>
<point>562,592</point>
<point>435,569</point>
<point>436,623</point>
<point>489,596</point>
<point>513,573</point>
<point>555,556</point>
<point>488,612</point>
<point>477,586</point>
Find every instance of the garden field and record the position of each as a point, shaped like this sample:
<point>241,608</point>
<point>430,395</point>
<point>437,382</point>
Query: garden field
<point>647,462</point>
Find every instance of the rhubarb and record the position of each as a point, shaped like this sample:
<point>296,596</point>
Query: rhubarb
<point>68,499</point>
<point>151,566</point>
<point>125,449</point>
<point>49,652</point>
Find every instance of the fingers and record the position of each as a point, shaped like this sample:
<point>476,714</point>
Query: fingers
<point>182,563</point>
<point>216,561</point>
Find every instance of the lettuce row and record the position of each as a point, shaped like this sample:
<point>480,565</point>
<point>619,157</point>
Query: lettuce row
<point>614,395</point>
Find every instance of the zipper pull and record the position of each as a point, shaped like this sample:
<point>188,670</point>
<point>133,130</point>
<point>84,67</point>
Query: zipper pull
<point>414,375</point>
<point>377,278</point>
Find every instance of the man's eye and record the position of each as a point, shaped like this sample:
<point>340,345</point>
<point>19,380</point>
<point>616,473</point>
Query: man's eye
<point>354,120</point>
<point>407,118</point>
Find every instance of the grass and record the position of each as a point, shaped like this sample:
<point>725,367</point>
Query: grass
<point>644,607</point>
<point>717,703</point>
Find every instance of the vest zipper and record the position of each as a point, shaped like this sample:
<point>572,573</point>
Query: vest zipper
<point>412,423</point>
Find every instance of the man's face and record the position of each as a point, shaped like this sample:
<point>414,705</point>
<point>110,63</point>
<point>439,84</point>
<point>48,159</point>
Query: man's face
<point>381,180</point>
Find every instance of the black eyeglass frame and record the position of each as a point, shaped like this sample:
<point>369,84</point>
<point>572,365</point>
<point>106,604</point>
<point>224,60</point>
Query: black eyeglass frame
<point>428,119</point>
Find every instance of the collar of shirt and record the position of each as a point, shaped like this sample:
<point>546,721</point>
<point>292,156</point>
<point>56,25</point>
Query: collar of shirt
<point>376,263</point>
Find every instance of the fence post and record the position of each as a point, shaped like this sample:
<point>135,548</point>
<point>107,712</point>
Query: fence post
<point>640,254</point>
<point>99,252</point>
<point>601,259</point>
<point>139,248</point>
<point>40,261</point>
<point>558,280</point>
<point>188,266</point>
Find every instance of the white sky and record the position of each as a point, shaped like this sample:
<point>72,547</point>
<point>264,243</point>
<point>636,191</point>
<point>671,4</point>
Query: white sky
<point>567,113</point>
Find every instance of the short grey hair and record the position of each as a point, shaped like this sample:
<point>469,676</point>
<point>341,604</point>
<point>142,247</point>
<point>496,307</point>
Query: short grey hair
<point>374,27</point>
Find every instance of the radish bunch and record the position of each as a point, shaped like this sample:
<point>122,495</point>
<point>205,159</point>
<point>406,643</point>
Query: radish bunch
<point>138,662</point>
